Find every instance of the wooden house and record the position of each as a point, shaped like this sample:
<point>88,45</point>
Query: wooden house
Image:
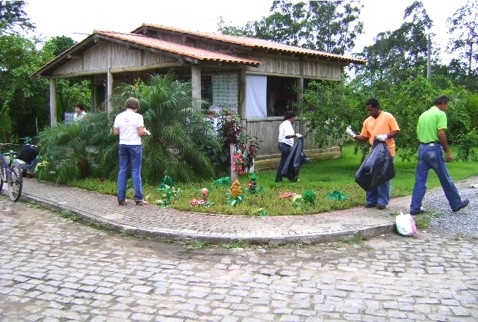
<point>254,78</point>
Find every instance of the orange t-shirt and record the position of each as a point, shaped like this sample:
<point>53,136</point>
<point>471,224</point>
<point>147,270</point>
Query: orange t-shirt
<point>383,124</point>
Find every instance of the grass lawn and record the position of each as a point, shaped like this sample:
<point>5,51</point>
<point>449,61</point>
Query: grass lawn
<point>321,177</point>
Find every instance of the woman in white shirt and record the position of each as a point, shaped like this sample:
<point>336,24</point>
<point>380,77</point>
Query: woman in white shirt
<point>286,140</point>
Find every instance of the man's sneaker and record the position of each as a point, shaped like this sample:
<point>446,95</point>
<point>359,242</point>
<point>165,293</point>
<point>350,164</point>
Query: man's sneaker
<point>417,212</point>
<point>381,207</point>
<point>369,205</point>
<point>462,205</point>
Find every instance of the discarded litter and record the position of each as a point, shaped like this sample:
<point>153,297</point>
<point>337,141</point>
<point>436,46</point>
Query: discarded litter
<point>337,195</point>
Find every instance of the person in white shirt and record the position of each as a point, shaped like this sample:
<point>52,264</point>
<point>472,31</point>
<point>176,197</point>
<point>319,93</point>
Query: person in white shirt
<point>129,125</point>
<point>286,140</point>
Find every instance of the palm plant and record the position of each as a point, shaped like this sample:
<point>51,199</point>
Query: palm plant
<point>72,151</point>
<point>181,141</point>
<point>181,144</point>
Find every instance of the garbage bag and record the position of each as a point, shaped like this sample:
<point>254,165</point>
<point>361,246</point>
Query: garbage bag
<point>294,161</point>
<point>377,168</point>
<point>28,153</point>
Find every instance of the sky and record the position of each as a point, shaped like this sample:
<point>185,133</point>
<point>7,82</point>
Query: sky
<point>78,19</point>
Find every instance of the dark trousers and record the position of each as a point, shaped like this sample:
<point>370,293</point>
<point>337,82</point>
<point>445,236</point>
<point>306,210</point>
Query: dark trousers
<point>285,150</point>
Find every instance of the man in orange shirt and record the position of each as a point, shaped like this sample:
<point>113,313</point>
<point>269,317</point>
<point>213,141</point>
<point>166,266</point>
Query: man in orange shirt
<point>382,126</point>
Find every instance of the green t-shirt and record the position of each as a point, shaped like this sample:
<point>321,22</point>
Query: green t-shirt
<point>429,123</point>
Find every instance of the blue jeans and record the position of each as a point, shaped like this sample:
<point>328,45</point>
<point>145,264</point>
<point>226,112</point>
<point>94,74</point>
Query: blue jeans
<point>430,156</point>
<point>379,195</point>
<point>130,155</point>
<point>29,167</point>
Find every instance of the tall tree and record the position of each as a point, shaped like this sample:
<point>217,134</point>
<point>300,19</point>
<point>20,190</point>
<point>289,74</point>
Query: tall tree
<point>22,95</point>
<point>463,25</point>
<point>12,16</point>
<point>397,55</point>
<point>330,26</point>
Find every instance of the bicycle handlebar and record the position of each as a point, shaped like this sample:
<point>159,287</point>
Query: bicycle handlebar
<point>3,145</point>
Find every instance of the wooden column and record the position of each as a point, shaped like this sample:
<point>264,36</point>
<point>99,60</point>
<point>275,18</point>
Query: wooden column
<point>234,174</point>
<point>109,91</point>
<point>53,117</point>
<point>196,86</point>
<point>109,82</point>
<point>300,86</point>
<point>242,95</point>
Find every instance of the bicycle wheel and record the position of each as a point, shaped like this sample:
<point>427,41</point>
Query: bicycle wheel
<point>15,185</point>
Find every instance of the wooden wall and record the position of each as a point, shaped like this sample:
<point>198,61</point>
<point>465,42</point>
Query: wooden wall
<point>267,130</point>
<point>293,67</point>
<point>112,57</point>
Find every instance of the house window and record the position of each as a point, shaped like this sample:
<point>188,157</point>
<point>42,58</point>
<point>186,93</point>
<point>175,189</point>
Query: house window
<point>225,91</point>
<point>281,95</point>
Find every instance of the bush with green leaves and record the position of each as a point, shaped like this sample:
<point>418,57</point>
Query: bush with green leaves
<point>180,145</point>
<point>86,148</point>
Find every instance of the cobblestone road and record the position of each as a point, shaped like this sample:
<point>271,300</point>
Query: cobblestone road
<point>53,269</point>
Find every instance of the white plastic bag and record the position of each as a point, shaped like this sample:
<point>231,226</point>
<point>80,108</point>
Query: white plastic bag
<point>406,225</point>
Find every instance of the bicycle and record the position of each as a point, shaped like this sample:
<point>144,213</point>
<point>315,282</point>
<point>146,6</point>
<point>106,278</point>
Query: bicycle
<point>10,172</point>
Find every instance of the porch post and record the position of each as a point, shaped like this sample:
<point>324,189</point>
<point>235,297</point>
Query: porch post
<point>53,118</point>
<point>300,85</point>
<point>196,86</point>
<point>109,91</point>
<point>242,95</point>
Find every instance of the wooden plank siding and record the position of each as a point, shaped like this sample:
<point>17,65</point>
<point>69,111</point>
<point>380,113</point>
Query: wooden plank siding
<point>293,67</point>
<point>116,58</point>
<point>267,130</point>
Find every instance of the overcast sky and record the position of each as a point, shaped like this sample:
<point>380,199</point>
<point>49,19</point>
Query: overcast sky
<point>77,19</point>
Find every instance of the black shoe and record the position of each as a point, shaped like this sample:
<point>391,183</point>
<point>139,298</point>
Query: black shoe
<point>462,205</point>
<point>417,212</point>
<point>122,202</point>
<point>369,205</point>
<point>381,207</point>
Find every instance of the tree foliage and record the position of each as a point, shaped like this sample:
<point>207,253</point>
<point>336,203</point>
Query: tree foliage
<point>22,95</point>
<point>463,25</point>
<point>12,16</point>
<point>330,26</point>
<point>180,144</point>
<point>326,108</point>
<point>397,55</point>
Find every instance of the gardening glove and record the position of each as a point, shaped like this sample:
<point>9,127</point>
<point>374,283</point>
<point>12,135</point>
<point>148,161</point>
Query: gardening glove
<point>147,132</point>
<point>298,135</point>
<point>350,132</point>
<point>382,137</point>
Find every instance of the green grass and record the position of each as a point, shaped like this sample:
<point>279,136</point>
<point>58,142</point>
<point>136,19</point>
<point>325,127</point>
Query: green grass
<point>321,176</point>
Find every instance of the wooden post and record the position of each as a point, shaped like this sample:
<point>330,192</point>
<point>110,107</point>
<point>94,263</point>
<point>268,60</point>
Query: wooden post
<point>234,175</point>
<point>53,117</point>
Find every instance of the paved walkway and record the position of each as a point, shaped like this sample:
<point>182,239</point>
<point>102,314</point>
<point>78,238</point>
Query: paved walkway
<point>171,224</point>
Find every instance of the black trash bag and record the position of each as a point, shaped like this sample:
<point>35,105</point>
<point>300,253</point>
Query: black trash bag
<point>377,168</point>
<point>28,153</point>
<point>294,161</point>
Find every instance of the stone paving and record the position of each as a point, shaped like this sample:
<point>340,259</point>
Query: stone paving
<point>53,269</point>
<point>170,224</point>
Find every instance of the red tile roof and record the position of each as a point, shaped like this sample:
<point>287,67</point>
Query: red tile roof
<point>253,43</point>
<point>175,48</point>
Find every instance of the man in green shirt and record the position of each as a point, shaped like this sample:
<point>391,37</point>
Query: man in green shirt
<point>431,131</point>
